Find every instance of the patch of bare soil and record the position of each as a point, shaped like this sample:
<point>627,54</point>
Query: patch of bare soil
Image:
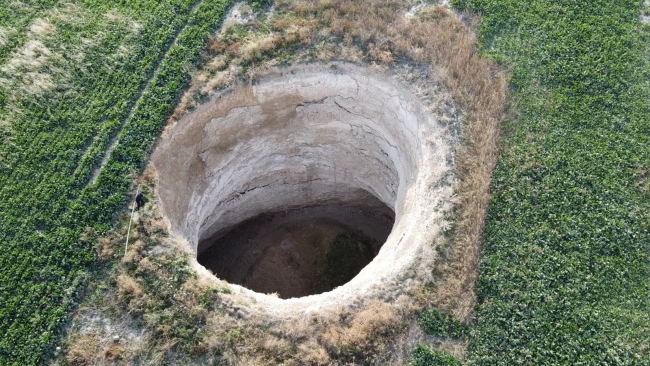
<point>291,253</point>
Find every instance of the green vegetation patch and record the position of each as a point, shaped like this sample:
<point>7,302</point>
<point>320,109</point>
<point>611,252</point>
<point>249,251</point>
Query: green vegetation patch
<point>424,356</point>
<point>436,323</point>
<point>566,266</point>
<point>77,75</point>
<point>346,257</point>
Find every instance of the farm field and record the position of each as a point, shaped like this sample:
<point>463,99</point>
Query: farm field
<point>87,86</point>
<point>73,77</point>
<point>565,271</point>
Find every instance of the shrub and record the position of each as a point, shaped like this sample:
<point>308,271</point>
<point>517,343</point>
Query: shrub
<point>423,356</point>
<point>434,322</point>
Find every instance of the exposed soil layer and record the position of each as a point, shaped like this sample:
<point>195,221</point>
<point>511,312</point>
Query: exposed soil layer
<point>301,137</point>
<point>299,252</point>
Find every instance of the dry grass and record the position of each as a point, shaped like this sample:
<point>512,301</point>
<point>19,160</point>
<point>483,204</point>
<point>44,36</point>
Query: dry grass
<point>312,353</point>
<point>345,336</point>
<point>32,68</point>
<point>27,68</point>
<point>4,36</point>
<point>366,330</point>
<point>134,253</point>
<point>106,245</point>
<point>254,49</point>
<point>87,234</point>
<point>128,287</point>
<point>113,351</point>
<point>83,350</point>
<point>148,176</point>
<point>41,27</point>
<point>243,91</point>
<point>481,89</point>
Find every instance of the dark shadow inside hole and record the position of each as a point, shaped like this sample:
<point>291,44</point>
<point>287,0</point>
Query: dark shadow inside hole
<point>299,252</point>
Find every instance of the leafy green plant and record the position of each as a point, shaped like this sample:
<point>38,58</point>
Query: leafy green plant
<point>257,5</point>
<point>346,257</point>
<point>424,356</point>
<point>436,323</point>
<point>564,273</point>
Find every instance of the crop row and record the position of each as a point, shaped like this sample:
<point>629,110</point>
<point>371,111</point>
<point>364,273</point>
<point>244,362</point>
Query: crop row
<point>59,137</point>
<point>564,277</point>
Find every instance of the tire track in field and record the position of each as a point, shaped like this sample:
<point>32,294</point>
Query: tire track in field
<point>115,139</point>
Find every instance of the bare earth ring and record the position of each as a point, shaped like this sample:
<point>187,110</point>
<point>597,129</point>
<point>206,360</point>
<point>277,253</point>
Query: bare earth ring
<point>309,136</point>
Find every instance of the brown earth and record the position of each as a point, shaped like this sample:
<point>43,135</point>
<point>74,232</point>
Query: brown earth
<point>287,252</point>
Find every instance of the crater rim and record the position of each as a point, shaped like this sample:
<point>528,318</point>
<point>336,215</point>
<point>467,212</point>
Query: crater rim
<point>375,106</point>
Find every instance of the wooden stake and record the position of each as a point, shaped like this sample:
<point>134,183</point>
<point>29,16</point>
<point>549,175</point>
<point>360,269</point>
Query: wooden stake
<point>128,232</point>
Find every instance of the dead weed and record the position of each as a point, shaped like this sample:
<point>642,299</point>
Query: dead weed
<point>83,350</point>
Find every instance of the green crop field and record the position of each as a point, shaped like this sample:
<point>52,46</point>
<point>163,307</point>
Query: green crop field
<point>73,77</point>
<point>565,273</point>
<point>86,87</point>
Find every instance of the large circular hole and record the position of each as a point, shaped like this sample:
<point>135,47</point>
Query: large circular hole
<point>309,164</point>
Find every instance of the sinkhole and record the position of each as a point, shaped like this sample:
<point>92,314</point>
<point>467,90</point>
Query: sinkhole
<point>307,182</point>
